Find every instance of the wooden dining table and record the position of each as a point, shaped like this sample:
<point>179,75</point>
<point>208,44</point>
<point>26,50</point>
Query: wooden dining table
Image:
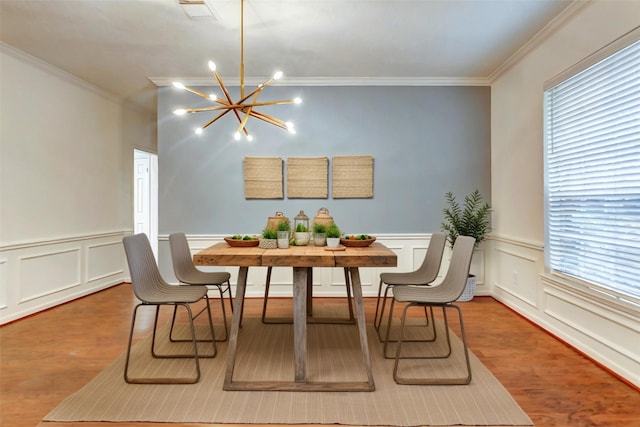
<point>302,259</point>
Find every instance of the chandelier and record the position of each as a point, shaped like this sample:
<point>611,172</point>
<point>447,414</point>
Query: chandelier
<point>246,105</point>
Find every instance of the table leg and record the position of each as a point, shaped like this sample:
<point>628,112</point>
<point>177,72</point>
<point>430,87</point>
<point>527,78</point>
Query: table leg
<point>362,326</point>
<point>310,291</point>
<point>235,326</point>
<point>300,275</point>
<point>300,382</point>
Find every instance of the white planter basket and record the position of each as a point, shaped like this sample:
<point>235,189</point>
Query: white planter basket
<point>469,289</point>
<point>268,243</point>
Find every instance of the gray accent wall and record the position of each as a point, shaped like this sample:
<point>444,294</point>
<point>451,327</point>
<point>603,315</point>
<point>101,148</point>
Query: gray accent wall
<point>425,141</point>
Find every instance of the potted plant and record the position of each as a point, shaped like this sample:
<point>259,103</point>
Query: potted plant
<point>284,234</point>
<point>269,239</point>
<point>333,235</point>
<point>301,235</point>
<point>319,234</point>
<point>470,219</point>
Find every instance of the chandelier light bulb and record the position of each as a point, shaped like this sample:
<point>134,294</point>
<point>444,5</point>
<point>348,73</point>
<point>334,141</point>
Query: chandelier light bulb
<point>245,106</point>
<point>290,128</point>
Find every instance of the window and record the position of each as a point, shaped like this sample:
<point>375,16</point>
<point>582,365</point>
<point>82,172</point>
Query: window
<point>592,170</point>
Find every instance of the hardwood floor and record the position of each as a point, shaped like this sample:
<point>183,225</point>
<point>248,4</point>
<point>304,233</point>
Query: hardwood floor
<point>48,356</point>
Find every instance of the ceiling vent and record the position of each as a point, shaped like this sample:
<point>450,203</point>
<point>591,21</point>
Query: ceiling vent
<point>197,9</point>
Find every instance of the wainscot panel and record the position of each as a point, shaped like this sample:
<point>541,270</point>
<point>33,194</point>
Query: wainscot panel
<point>605,330</point>
<point>42,274</point>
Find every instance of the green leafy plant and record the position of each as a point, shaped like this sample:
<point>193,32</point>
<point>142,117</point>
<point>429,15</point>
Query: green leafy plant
<point>269,233</point>
<point>300,228</point>
<point>319,228</point>
<point>471,219</point>
<point>333,231</point>
<point>284,225</point>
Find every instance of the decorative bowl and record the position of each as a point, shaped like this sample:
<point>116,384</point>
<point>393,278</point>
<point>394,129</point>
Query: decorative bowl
<point>242,243</point>
<point>357,243</point>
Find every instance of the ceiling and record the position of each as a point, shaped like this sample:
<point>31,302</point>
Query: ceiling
<point>123,46</point>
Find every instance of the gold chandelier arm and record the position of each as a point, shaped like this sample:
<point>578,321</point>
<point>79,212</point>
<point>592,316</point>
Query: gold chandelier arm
<point>215,118</point>
<point>227,95</point>
<point>247,113</point>
<point>262,104</point>
<point>188,89</point>
<point>269,119</point>
<point>258,89</point>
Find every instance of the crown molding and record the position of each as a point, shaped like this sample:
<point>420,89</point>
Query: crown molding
<point>53,70</point>
<point>333,81</point>
<point>538,38</point>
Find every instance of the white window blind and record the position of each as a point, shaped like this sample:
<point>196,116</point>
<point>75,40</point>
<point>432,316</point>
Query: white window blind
<point>592,174</point>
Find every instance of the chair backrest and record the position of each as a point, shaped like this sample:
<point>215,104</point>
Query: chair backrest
<point>145,275</point>
<point>456,279</point>
<point>430,267</point>
<point>181,257</point>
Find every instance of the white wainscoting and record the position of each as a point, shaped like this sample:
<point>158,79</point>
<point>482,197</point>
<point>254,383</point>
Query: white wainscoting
<point>410,249</point>
<point>38,275</point>
<point>606,330</point>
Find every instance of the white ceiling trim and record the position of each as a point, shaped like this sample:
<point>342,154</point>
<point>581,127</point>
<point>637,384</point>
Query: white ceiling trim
<point>538,38</point>
<point>331,81</point>
<point>61,74</point>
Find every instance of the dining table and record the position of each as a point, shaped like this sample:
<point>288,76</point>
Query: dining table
<point>302,259</point>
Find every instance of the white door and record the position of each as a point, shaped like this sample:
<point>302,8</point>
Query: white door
<point>145,196</point>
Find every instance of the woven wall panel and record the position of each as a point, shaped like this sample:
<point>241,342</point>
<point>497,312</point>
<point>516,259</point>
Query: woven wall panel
<point>263,178</point>
<point>307,177</point>
<point>352,177</point>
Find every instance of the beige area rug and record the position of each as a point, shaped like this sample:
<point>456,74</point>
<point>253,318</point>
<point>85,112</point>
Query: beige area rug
<point>265,352</point>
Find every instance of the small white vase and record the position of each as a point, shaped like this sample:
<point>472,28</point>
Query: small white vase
<point>333,242</point>
<point>283,239</point>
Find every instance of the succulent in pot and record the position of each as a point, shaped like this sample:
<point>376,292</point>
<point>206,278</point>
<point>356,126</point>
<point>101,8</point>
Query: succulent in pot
<point>319,234</point>
<point>333,235</point>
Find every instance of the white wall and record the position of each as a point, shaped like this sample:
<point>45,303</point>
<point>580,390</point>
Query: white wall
<point>597,326</point>
<point>64,187</point>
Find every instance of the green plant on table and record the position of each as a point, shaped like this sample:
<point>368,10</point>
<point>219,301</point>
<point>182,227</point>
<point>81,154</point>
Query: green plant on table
<point>284,225</point>
<point>333,231</point>
<point>470,219</point>
<point>269,233</point>
<point>319,228</point>
<point>300,228</point>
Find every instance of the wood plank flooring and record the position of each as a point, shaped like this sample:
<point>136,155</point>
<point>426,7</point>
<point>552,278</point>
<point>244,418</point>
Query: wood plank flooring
<point>48,356</point>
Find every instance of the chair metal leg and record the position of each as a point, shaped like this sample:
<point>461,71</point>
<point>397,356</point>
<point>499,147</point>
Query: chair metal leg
<point>432,381</point>
<point>386,339</point>
<point>376,321</point>
<point>224,316</point>
<point>224,320</point>
<point>192,325</point>
<point>194,355</point>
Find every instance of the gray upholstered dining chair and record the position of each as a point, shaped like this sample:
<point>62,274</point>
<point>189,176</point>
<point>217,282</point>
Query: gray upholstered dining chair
<point>187,273</point>
<point>152,290</point>
<point>443,295</point>
<point>424,275</point>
